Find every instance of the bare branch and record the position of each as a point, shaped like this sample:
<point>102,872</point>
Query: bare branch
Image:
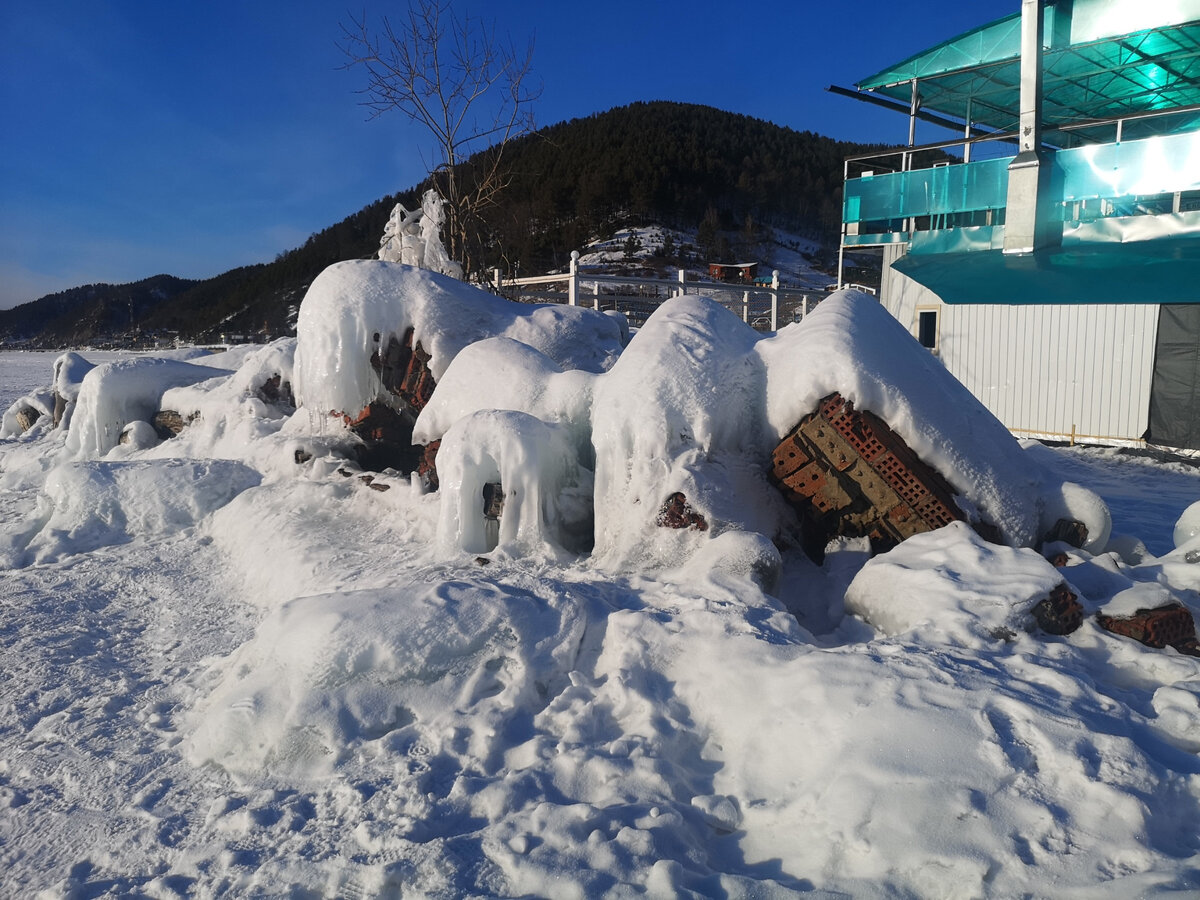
<point>470,90</point>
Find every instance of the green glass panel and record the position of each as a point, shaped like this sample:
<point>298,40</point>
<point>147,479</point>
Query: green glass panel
<point>1151,166</point>
<point>925,192</point>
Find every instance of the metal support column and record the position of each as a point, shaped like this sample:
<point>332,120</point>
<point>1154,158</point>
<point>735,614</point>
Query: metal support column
<point>1031,222</point>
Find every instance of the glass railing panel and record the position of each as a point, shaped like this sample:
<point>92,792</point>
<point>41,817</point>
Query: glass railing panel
<point>1133,168</point>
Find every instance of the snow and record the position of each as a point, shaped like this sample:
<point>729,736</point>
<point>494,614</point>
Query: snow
<point>236,670</point>
<point>1187,528</point>
<point>114,394</point>
<point>350,303</point>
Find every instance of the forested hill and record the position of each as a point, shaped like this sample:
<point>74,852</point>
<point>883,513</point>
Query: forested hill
<point>673,163</point>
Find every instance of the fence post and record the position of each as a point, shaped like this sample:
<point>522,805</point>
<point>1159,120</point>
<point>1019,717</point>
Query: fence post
<point>775,300</point>
<point>596,296</point>
<point>746,307</point>
<point>496,278</point>
<point>573,283</point>
<point>804,306</point>
<point>682,282</point>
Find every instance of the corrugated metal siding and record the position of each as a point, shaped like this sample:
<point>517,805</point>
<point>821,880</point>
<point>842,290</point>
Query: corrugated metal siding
<point>1044,370</point>
<point>1056,370</point>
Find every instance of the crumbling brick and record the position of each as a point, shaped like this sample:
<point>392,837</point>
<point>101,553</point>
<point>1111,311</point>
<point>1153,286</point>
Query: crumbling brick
<point>676,512</point>
<point>386,435</point>
<point>1165,626</point>
<point>385,425</point>
<point>1068,531</point>
<point>1060,613</point>
<point>848,474</point>
<point>403,369</point>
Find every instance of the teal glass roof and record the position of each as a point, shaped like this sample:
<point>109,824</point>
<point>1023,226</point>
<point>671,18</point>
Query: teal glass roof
<point>1102,59</point>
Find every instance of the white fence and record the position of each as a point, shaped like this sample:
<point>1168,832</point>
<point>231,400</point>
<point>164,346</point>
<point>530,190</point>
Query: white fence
<point>763,307</point>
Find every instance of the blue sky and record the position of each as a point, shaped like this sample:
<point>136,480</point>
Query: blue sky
<point>188,138</point>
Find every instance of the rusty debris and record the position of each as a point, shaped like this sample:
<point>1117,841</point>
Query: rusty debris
<point>1060,613</point>
<point>848,474</point>
<point>168,423</point>
<point>676,512</point>
<point>1165,626</point>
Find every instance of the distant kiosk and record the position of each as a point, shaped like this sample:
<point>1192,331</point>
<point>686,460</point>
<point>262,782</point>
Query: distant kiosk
<point>736,272</point>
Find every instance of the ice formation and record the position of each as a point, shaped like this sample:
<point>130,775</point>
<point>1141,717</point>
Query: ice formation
<point>115,394</point>
<point>415,238</point>
<point>546,492</point>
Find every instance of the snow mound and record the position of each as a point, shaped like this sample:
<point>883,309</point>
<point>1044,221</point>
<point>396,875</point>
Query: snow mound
<point>952,587</point>
<point>88,505</point>
<point>519,378</point>
<point>852,345</point>
<point>417,670</point>
<point>117,393</point>
<point>1187,528</point>
<point>682,410</point>
<point>354,308</point>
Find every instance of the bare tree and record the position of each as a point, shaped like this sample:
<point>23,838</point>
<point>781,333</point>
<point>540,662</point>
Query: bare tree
<point>472,91</point>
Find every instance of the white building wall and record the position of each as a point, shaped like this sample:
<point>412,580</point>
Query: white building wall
<point>1053,371</point>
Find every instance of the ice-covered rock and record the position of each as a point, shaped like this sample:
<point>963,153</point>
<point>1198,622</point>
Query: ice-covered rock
<point>546,492</point>
<point>951,586</point>
<point>682,411</point>
<point>117,393</point>
<point>353,309</point>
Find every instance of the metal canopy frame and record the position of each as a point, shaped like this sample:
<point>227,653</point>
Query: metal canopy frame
<point>975,78</point>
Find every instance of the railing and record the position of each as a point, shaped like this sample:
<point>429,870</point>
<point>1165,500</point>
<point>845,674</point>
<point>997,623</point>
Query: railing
<point>1149,175</point>
<point>763,307</point>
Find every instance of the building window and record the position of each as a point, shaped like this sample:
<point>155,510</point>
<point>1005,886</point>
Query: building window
<point>927,328</point>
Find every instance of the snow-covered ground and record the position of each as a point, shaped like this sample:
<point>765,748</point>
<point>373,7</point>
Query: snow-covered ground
<point>229,673</point>
<point>635,246</point>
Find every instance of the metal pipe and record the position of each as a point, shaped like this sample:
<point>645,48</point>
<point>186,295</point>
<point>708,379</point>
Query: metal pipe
<point>913,105</point>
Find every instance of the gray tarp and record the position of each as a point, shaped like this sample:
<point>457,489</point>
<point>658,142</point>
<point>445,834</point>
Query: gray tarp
<point>1175,390</point>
